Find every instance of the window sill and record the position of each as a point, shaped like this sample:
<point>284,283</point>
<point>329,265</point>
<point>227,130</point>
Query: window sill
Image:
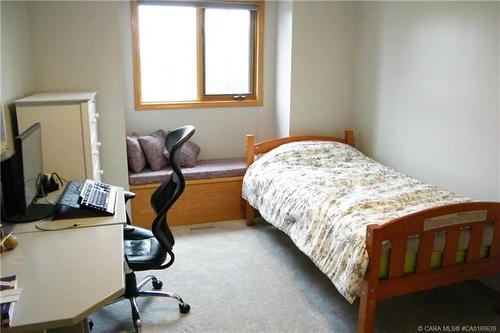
<point>198,105</point>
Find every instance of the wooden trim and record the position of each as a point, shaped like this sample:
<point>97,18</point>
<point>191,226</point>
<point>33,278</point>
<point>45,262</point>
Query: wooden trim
<point>451,246</point>
<point>200,52</point>
<point>495,245</point>
<point>412,283</point>
<point>398,252</point>
<point>191,182</point>
<point>426,278</point>
<point>228,97</point>
<point>214,180</point>
<point>349,137</point>
<point>203,201</point>
<point>425,248</point>
<point>475,240</point>
<point>250,145</point>
<point>266,146</point>
<point>250,155</point>
<point>259,52</point>
<point>198,104</point>
<point>136,55</point>
<point>253,41</point>
<point>413,224</point>
<point>253,148</point>
<point>249,213</point>
<point>204,101</point>
<point>369,286</point>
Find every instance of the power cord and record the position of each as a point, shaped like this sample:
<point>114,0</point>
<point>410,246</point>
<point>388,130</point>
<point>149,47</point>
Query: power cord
<point>39,180</point>
<point>39,226</point>
<point>39,184</point>
<point>60,178</point>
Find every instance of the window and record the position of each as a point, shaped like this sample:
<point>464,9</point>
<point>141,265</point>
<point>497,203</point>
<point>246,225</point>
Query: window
<point>190,54</point>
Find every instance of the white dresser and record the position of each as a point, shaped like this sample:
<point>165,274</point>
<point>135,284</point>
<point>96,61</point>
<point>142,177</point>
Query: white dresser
<point>70,144</point>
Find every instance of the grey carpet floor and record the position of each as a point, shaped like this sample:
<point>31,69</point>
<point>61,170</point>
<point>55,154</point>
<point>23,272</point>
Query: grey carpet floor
<point>253,279</point>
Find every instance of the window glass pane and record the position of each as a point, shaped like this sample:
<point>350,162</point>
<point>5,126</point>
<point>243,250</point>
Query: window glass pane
<point>228,51</point>
<point>167,37</point>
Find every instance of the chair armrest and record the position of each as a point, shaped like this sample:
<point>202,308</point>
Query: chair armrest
<point>133,233</point>
<point>128,195</point>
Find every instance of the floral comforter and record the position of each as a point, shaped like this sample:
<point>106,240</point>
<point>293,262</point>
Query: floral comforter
<point>324,194</point>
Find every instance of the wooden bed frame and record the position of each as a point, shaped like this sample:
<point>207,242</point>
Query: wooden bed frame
<point>449,219</point>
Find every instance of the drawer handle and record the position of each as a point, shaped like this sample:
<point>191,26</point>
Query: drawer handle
<point>101,172</point>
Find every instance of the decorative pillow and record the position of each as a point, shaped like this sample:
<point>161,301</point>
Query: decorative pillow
<point>135,155</point>
<point>189,154</point>
<point>153,146</point>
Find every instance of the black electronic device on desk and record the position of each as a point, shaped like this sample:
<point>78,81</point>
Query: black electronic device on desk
<point>87,199</point>
<point>21,179</point>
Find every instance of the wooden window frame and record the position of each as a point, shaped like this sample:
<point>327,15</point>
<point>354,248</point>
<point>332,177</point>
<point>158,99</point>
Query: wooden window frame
<point>204,101</point>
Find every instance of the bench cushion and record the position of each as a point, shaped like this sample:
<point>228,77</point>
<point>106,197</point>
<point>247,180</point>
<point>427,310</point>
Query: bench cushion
<point>206,169</point>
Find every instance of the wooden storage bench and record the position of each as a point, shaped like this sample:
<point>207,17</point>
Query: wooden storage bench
<point>213,193</point>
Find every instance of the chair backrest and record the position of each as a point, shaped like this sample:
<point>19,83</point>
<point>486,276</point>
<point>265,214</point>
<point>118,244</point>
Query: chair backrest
<point>170,190</point>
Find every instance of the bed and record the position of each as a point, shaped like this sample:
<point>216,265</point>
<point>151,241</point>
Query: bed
<point>375,232</point>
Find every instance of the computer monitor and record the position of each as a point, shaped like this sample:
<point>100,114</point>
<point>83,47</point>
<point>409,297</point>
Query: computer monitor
<point>21,179</point>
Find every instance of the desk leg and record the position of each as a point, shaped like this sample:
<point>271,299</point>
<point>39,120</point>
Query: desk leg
<point>81,327</point>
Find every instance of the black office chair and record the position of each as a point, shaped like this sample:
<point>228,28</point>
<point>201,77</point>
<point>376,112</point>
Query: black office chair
<point>146,250</point>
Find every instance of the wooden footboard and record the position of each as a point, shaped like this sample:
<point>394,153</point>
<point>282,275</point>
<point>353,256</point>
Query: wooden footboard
<point>254,149</point>
<point>450,220</point>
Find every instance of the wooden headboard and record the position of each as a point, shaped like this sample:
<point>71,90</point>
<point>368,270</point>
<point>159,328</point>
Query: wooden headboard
<point>265,146</point>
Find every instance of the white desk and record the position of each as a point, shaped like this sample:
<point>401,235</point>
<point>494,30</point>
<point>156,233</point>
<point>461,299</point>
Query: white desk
<point>68,274</point>
<point>118,218</point>
<point>64,275</point>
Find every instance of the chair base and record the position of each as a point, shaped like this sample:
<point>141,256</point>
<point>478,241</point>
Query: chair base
<point>133,290</point>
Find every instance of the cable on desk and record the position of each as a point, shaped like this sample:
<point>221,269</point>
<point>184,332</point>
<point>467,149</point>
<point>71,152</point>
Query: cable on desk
<point>39,226</point>
<point>38,181</point>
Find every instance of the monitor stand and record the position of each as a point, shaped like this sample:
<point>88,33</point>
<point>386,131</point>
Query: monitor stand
<point>33,212</point>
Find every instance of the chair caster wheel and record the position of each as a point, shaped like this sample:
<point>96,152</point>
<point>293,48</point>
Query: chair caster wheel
<point>157,284</point>
<point>91,324</point>
<point>184,307</point>
<point>137,326</point>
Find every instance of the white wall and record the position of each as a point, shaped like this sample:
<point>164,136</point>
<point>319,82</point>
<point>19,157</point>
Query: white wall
<point>87,46</point>
<point>16,73</point>
<point>284,24</point>
<point>323,46</point>
<point>219,131</point>
<point>76,46</point>
<point>423,73</point>
<point>427,92</point>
